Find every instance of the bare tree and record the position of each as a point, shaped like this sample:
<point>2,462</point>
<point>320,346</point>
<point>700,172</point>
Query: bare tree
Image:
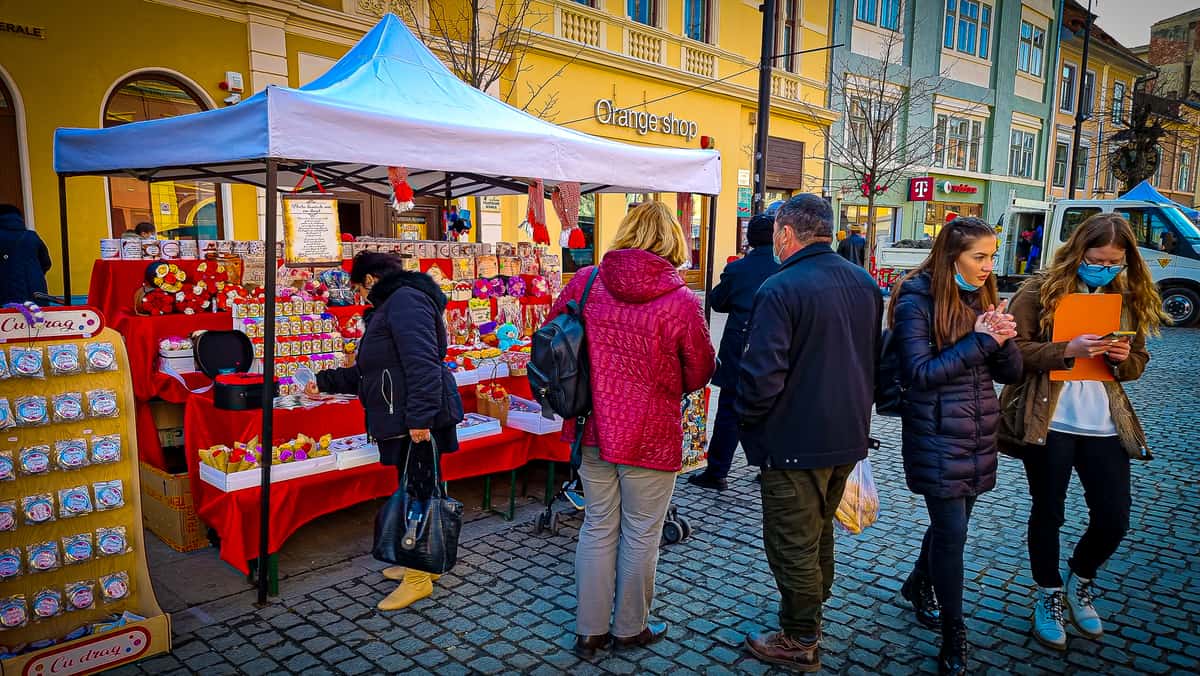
<point>485,43</point>
<point>1152,121</point>
<point>879,144</point>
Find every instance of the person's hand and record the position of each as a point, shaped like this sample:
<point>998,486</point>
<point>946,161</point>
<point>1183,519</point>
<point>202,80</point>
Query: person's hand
<point>1118,351</point>
<point>311,389</point>
<point>1088,345</point>
<point>418,436</point>
<point>996,323</point>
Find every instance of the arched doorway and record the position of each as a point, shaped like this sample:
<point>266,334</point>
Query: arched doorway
<point>11,179</point>
<point>171,206</point>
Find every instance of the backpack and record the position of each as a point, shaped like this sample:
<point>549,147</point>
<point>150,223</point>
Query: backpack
<point>559,374</point>
<point>889,394</point>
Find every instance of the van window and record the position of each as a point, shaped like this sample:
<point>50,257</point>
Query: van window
<point>1072,218</point>
<point>1155,231</point>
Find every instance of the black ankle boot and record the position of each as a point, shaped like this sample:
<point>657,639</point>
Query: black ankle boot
<point>952,661</point>
<point>918,591</point>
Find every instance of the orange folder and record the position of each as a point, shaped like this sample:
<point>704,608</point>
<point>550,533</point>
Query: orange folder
<point>1080,313</point>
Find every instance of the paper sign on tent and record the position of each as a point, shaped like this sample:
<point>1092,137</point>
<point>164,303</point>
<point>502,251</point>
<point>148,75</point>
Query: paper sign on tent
<point>1080,313</point>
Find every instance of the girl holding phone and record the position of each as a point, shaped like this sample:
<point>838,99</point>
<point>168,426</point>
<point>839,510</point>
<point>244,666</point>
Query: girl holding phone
<point>1088,426</point>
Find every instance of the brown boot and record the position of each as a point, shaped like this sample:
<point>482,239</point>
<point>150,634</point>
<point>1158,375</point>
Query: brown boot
<point>803,655</point>
<point>653,633</point>
<point>586,646</point>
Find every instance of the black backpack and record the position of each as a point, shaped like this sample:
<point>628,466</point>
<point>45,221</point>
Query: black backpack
<point>889,394</point>
<point>559,374</point>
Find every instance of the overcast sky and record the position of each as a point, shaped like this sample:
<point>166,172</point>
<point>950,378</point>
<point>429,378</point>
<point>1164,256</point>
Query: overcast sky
<point>1129,21</point>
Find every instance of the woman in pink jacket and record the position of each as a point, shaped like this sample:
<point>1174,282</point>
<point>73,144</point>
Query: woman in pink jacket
<point>648,345</point>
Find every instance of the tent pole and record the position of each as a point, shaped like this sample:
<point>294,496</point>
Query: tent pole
<point>66,243</point>
<point>709,256</point>
<point>268,387</point>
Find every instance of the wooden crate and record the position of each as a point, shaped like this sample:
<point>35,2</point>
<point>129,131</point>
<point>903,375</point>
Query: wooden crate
<point>168,512</point>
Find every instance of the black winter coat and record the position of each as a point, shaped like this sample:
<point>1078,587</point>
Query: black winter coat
<point>24,260</point>
<point>807,380</point>
<point>734,295</point>
<point>400,376</point>
<point>950,412</point>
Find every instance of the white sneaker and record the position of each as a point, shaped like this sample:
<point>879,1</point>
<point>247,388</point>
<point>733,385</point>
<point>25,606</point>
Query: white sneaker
<point>1048,619</point>
<point>1079,600</point>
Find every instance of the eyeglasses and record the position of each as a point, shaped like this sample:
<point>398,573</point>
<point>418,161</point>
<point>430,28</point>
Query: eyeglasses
<point>1114,269</point>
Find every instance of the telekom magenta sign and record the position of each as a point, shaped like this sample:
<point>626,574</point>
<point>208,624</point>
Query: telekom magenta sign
<point>920,189</point>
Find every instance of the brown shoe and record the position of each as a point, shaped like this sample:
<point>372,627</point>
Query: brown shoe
<point>653,633</point>
<point>586,646</point>
<point>777,648</point>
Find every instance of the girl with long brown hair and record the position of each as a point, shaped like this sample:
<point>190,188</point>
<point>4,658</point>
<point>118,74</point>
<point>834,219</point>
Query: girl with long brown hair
<point>1088,426</point>
<point>952,340</point>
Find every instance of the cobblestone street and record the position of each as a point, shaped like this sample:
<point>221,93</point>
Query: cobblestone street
<point>509,605</point>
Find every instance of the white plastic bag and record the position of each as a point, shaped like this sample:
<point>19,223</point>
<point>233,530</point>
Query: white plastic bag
<point>859,507</point>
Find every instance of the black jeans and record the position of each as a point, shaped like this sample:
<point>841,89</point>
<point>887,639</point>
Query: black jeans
<point>1103,468</point>
<point>798,508</point>
<point>942,552</point>
<point>420,465</point>
<point>724,440</point>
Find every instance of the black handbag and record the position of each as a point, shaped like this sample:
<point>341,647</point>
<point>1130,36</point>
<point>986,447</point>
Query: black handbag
<point>432,545</point>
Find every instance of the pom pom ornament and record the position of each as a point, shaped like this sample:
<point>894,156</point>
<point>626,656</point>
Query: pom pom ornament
<point>535,213</point>
<point>402,192</point>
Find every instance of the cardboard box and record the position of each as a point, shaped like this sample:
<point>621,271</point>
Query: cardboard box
<point>166,414</point>
<point>356,457</point>
<point>167,509</point>
<point>252,478</point>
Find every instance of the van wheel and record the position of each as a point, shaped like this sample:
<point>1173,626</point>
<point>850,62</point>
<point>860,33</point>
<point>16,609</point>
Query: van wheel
<point>1182,305</point>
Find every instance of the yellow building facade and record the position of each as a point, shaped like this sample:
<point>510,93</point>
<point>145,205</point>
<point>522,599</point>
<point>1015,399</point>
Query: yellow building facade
<point>1111,73</point>
<point>690,62</point>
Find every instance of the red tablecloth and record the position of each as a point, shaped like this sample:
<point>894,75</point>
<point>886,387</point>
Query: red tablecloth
<point>114,282</point>
<point>235,515</point>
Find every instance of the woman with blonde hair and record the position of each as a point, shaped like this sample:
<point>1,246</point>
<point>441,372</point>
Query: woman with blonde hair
<point>648,345</point>
<point>1088,426</point>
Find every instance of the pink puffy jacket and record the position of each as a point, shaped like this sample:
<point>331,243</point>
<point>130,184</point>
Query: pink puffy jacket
<point>648,345</point>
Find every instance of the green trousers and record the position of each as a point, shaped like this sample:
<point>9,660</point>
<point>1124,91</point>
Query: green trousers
<point>798,509</point>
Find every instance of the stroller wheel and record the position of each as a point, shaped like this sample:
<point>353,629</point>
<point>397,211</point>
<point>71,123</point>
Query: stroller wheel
<point>672,532</point>
<point>686,526</point>
<point>553,525</point>
<point>541,524</point>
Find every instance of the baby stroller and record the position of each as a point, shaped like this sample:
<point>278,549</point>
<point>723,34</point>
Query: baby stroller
<point>676,528</point>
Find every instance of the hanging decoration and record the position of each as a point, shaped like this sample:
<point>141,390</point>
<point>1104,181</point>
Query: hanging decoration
<point>535,214</point>
<point>402,192</point>
<point>566,198</point>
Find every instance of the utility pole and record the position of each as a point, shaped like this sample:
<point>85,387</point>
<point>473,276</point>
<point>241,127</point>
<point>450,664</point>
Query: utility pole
<point>1080,114</point>
<point>766,62</point>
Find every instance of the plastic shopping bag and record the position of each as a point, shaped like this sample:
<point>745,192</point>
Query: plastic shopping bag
<point>859,507</point>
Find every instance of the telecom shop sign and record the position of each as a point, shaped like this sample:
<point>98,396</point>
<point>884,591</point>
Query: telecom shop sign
<point>644,122</point>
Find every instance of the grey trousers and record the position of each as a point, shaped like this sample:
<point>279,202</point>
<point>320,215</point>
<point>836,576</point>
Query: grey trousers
<point>618,545</point>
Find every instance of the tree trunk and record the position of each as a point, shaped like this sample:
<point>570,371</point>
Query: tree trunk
<point>870,248</point>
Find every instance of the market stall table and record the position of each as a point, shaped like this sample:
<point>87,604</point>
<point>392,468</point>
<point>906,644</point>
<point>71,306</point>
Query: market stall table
<point>234,515</point>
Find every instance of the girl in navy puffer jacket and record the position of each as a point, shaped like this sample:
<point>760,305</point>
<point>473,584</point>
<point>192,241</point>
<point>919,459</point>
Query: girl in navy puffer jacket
<point>952,343</point>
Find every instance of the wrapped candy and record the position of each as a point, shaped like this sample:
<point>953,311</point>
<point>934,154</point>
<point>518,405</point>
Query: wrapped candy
<point>14,613</point>
<point>8,467</point>
<point>10,563</point>
<point>8,516</point>
<point>71,454</point>
<point>77,548</point>
<point>42,556</point>
<point>102,403</point>
<point>47,603</point>
<point>64,360</point>
<point>106,448</point>
<point>111,541</point>
<point>101,357</point>
<point>7,420</point>
<point>27,362</point>
<point>67,407</point>
<point>74,502</point>
<point>114,587</point>
<point>109,494</point>
<point>5,374</point>
<point>31,411</point>
<point>38,508</point>
<point>34,460</point>
<point>81,595</point>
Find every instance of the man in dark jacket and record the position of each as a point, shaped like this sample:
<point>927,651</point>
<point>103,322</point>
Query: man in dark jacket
<point>805,393</point>
<point>24,260</point>
<point>854,247</point>
<point>734,295</point>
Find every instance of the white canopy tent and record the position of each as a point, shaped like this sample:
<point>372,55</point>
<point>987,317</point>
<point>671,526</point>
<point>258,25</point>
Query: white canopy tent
<point>388,102</point>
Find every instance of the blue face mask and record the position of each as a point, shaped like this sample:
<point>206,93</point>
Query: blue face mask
<point>963,283</point>
<point>1097,276</point>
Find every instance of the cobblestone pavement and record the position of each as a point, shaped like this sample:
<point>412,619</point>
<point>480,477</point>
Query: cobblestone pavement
<point>509,605</point>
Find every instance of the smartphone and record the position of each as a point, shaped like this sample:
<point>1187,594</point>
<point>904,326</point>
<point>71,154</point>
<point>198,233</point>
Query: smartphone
<point>1119,335</point>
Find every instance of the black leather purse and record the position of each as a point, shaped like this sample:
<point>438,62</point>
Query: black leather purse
<point>429,545</point>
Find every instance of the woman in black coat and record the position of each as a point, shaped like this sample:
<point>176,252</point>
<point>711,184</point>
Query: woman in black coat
<point>952,343</point>
<point>409,395</point>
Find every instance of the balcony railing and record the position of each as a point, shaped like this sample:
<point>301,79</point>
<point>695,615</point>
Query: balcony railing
<point>645,46</point>
<point>579,27</point>
<point>699,62</point>
<point>785,86</point>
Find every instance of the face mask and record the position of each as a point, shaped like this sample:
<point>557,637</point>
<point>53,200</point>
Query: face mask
<point>775,250</point>
<point>963,283</point>
<point>1097,276</point>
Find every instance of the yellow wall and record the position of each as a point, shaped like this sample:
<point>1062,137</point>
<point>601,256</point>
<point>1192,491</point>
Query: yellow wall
<point>62,82</point>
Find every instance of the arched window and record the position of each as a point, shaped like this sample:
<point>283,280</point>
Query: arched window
<point>10,157</point>
<point>178,209</point>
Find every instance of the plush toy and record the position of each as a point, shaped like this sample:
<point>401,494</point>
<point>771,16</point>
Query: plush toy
<point>509,336</point>
<point>313,289</point>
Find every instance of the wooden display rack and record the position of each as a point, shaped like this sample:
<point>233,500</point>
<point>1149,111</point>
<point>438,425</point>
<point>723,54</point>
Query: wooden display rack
<point>134,640</point>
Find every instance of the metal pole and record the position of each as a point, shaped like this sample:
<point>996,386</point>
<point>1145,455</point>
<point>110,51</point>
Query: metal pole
<point>710,255</point>
<point>766,61</point>
<point>66,242</point>
<point>1080,115</point>
<point>268,387</point>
